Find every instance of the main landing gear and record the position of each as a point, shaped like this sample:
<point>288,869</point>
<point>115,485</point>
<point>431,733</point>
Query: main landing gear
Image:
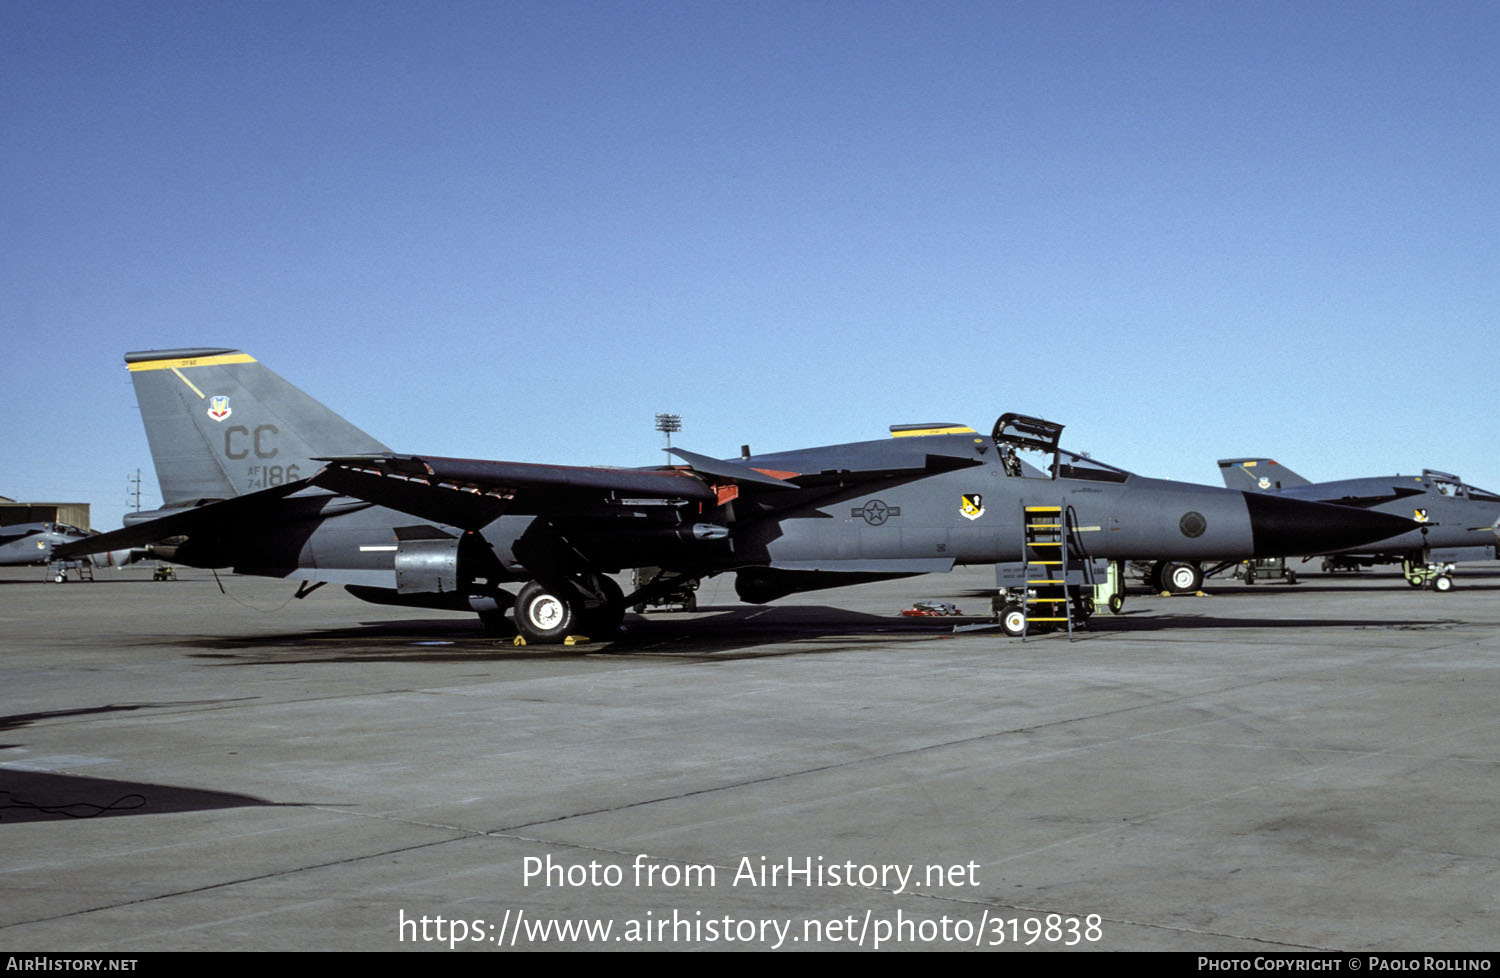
<point>1175,576</point>
<point>591,605</point>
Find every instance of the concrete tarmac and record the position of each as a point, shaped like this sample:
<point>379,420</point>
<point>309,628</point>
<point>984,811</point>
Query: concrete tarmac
<point>1263,769</point>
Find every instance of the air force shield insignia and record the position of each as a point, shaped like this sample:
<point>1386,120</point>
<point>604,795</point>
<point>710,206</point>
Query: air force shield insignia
<point>218,407</point>
<point>1420,516</point>
<point>971,505</point>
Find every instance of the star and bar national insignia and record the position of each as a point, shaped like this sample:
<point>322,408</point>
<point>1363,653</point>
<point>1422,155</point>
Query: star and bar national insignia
<point>875,512</point>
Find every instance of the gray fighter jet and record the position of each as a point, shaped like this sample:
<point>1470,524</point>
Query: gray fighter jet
<point>1454,521</point>
<point>32,543</point>
<point>37,543</point>
<point>259,477</point>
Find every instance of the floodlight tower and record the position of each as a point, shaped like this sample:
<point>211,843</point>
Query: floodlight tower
<point>668,423</point>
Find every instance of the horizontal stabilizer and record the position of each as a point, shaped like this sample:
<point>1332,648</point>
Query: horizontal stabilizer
<point>210,516</point>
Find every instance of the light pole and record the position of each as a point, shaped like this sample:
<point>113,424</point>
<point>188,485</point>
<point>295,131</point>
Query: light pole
<point>668,423</point>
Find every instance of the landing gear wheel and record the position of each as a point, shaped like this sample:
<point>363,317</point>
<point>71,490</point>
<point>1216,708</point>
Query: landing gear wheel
<point>1442,583</point>
<point>1155,577</point>
<point>1013,620</point>
<point>544,616</point>
<point>1181,577</point>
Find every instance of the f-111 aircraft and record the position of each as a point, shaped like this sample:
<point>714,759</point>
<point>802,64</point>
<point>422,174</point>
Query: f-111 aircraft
<point>259,477</point>
<point>36,543</point>
<point>1453,521</point>
<point>32,543</point>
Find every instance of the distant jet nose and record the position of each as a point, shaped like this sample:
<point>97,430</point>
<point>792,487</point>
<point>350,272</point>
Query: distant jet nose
<point>1282,526</point>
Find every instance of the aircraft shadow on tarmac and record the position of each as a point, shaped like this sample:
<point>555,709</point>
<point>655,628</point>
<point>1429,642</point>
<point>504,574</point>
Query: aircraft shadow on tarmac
<point>709,634</point>
<point>715,634</point>
<point>41,796</point>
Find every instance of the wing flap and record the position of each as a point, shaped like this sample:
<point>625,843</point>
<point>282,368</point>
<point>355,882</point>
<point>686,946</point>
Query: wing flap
<point>470,493</point>
<point>893,458</point>
<point>733,471</point>
<point>466,508</point>
<point>487,476</point>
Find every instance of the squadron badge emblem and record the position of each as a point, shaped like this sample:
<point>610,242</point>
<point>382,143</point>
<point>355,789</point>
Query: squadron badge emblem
<point>971,505</point>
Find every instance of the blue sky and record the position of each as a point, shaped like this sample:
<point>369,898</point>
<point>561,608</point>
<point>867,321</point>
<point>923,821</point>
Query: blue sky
<point>517,230</point>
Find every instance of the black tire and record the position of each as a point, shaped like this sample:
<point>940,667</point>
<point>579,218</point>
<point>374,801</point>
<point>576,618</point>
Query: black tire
<point>1442,583</point>
<point>1181,578</point>
<point>1116,603</point>
<point>545,616</point>
<point>1155,577</point>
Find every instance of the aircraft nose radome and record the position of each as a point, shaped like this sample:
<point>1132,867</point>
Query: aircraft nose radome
<point>1282,526</point>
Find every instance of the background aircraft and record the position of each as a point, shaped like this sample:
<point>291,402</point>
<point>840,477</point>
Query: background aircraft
<point>258,476</point>
<point>34,543</point>
<point>1454,521</point>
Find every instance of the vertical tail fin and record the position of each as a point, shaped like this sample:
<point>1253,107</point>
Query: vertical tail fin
<point>220,424</point>
<point>1262,474</point>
